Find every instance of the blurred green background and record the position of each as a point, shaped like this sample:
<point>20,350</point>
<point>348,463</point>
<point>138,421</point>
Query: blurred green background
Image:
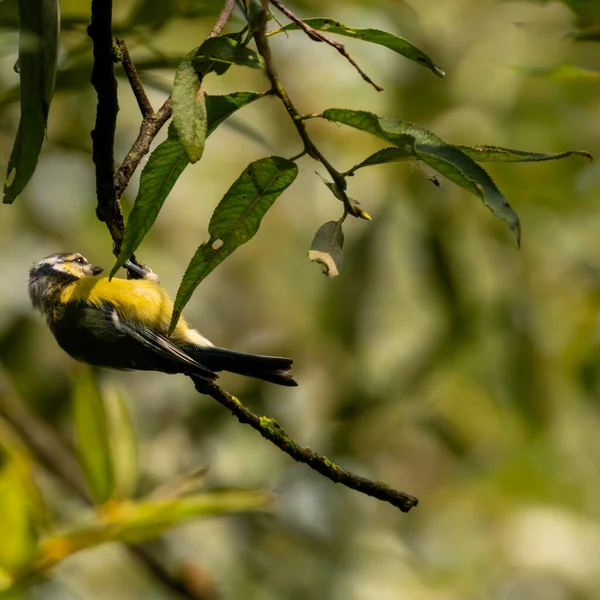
<point>442,360</point>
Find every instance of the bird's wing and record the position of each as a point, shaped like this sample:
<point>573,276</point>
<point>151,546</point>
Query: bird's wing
<point>104,338</point>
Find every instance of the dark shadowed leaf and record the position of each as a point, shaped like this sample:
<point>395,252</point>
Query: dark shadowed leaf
<point>219,53</point>
<point>38,52</point>
<point>477,153</point>
<point>355,203</point>
<point>326,248</point>
<point>236,220</point>
<point>92,433</point>
<point>189,109</point>
<point>376,36</point>
<point>164,167</point>
<point>134,522</point>
<point>447,160</point>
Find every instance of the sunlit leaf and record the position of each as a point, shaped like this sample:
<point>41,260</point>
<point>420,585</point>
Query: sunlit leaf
<point>566,73</point>
<point>164,167</point>
<point>134,522</point>
<point>219,53</point>
<point>376,36</point>
<point>189,109</point>
<point>326,248</point>
<point>22,511</point>
<point>38,52</point>
<point>92,433</point>
<point>447,160</point>
<point>236,219</point>
<point>123,442</point>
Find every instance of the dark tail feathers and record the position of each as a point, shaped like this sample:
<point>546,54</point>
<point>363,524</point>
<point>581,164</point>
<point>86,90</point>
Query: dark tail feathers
<point>268,368</point>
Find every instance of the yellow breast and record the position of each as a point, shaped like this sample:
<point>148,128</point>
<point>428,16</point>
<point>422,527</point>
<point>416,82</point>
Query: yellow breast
<point>136,300</point>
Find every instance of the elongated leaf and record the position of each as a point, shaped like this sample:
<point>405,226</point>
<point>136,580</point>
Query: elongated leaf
<point>164,167</point>
<point>236,220</point>
<point>189,109</point>
<point>22,512</point>
<point>498,154</point>
<point>326,248</point>
<point>92,432</point>
<point>38,52</point>
<point>477,153</point>
<point>219,53</point>
<point>136,522</point>
<point>123,442</point>
<point>448,160</point>
<point>375,36</point>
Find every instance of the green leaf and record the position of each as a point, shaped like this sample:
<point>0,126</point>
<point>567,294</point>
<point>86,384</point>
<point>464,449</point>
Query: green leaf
<point>447,160</point>
<point>219,53</point>
<point>123,442</point>
<point>38,52</point>
<point>236,220</point>
<point>326,248</point>
<point>23,513</point>
<point>135,522</point>
<point>189,109</point>
<point>92,433</point>
<point>498,154</point>
<point>477,153</point>
<point>375,36</point>
<point>164,167</point>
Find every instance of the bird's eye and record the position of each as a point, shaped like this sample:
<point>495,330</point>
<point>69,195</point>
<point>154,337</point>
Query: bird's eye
<point>79,260</point>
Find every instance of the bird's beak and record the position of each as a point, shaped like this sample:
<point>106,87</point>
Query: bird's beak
<point>97,270</point>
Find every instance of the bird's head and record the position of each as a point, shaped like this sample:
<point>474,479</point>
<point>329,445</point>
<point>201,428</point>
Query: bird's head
<point>56,271</point>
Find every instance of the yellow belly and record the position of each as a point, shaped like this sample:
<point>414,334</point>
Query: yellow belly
<point>136,300</point>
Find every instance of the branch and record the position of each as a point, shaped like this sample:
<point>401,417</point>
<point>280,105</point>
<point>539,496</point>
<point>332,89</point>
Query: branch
<point>317,36</point>
<point>277,89</point>
<point>272,431</point>
<point>103,79</point>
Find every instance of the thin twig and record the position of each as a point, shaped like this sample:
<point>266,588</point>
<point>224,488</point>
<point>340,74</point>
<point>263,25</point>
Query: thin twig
<point>134,80</point>
<point>272,431</point>
<point>278,90</point>
<point>103,136</point>
<point>317,36</point>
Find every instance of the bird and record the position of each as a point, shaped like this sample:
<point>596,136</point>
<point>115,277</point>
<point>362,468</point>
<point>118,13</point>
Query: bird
<point>124,324</point>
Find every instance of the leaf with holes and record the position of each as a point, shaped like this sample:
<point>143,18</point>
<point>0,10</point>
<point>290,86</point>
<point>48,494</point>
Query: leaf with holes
<point>236,220</point>
<point>164,167</point>
<point>38,52</point>
<point>447,160</point>
<point>326,248</point>
<point>189,109</point>
<point>375,36</point>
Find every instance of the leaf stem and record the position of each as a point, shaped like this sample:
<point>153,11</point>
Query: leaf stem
<point>274,433</point>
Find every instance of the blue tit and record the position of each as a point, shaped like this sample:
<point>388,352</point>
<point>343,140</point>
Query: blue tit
<point>123,324</point>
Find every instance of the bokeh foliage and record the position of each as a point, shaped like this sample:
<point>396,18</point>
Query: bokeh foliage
<point>441,360</point>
